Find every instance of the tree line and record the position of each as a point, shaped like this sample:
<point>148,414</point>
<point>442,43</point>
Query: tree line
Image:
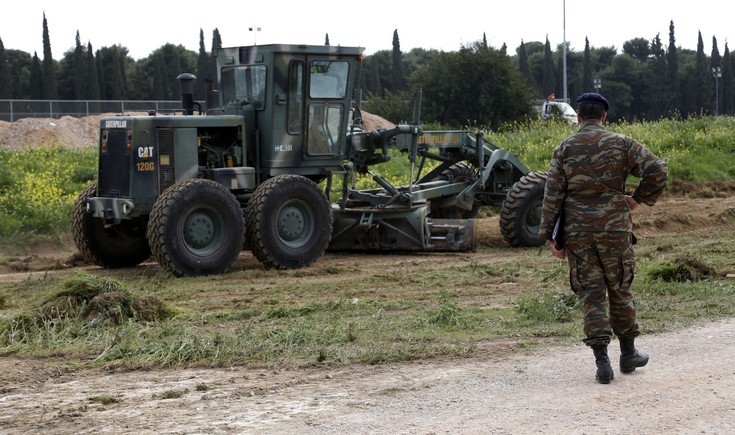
<point>477,84</point>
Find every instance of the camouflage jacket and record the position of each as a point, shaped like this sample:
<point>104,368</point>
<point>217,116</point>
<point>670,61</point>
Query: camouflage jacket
<point>587,176</point>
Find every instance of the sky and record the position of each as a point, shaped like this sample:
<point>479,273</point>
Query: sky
<point>144,26</point>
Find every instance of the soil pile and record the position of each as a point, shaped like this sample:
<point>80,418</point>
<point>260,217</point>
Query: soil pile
<point>72,132</point>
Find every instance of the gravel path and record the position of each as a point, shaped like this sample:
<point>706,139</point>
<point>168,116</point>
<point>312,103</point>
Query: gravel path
<point>687,387</point>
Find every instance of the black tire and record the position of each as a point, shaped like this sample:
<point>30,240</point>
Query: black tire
<point>520,215</point>
<point>196,228</point>
<point>289,222</point>
<point>447,208</point>
<point>122,245</point>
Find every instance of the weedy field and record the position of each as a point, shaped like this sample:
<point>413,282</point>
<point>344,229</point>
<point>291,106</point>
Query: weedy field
<point>351,308</point>
<point>62,320</point>
<point>356,308</point>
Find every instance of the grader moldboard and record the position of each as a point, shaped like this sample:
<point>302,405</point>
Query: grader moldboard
<point>195,187</point>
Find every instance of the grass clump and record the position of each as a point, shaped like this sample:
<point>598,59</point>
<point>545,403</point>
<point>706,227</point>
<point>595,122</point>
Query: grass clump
<point>679,270</point>
<point>103,400</point>
<point>549,307</point>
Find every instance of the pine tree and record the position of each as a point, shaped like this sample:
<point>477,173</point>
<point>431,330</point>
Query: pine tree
<point>36,80</point>
<point>4,76</point>
<point>397,73</point>
<point>49,71</point>
<point>673,64</point>
<point>587,79</point>
<point>484,40</point>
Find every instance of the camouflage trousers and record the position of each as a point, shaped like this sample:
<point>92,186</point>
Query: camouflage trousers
<point>601,270</point>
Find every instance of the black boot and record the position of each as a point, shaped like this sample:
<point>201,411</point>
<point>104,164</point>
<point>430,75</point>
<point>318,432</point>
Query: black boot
<point>630,358</point>
<point>604,370</point>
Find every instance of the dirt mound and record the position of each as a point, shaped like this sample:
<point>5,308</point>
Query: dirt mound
<point>375,122</point>
<point>72,132</point>
<point>66,131</point>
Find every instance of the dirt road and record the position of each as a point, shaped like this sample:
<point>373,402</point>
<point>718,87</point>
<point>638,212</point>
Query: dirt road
<point>688,387</point>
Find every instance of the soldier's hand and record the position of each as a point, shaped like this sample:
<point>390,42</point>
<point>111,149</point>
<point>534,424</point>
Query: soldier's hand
<point>632,203</point>
<point>556,252</point>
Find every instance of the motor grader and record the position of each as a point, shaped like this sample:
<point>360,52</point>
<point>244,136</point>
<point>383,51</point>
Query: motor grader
<point>255,169</point>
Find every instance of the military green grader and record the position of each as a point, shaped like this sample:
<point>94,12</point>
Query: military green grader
<point>255,169</point>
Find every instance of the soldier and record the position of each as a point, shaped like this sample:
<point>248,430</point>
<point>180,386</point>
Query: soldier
<point>586,187</point>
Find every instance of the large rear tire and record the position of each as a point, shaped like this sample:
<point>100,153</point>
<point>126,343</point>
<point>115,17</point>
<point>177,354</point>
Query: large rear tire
<point>288,222</point>
<point>447,208</point>
<point>520,215</point>
<point>196,228</point>
<point>121,245</point>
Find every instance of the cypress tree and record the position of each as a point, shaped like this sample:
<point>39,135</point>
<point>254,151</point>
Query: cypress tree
<point>216,45</point>
<point>587,83</point>
<point>726,88</point>
<point>49,74</point>
<point>203,69</point>
<point>4,76</point>
<point>78,69</point>
<point>326,39</point>
<point>715,61</point>
<point>523,63</point>
<point>397,73</point>
<point>101,82</point>
<point>548,86</point>
<point>36,80</point>
<point>702,76</point>
<point>656,97</point>
<point>673,64</point>
<point>91,76</point>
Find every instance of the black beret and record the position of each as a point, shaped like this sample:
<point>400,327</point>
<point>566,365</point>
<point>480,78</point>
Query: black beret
<point>593,97</point>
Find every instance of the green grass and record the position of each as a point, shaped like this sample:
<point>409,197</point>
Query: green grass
<point>263,318</point>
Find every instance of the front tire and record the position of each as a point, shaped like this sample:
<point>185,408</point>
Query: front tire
<point>289,222</point>
<point>121,245</point>
<point>196,228</point>
<point>520,215</point>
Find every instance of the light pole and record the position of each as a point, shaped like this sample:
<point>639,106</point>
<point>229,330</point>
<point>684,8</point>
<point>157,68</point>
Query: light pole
<point>255,31</point>
<point>717,74</point>
<point>597,83</point>
<point>564,59</point>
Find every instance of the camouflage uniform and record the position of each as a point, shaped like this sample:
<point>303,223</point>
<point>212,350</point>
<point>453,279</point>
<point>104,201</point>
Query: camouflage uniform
<point>587,177</point>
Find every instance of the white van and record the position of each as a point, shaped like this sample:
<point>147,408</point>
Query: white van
<point>558,109</point>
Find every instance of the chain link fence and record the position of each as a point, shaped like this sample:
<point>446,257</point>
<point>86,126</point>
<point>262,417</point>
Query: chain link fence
<point>13,110</point>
